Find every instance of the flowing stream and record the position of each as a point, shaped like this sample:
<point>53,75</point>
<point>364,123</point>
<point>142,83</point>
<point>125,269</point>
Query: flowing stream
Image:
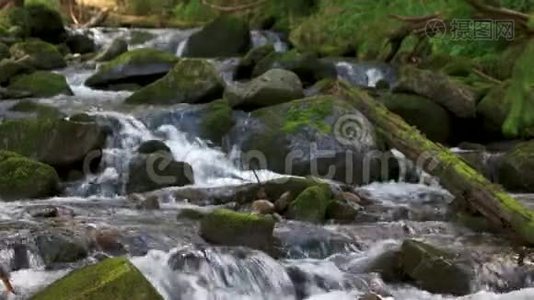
<point>322,262</point>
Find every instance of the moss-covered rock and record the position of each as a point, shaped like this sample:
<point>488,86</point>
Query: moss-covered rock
<point>226,227</point>
<point>45,23</point>
<point>216,121</point>
<point>430,118</point>
<point>190,81</point>
<point>273,87</point>
<point>153,146</point>
<point>226,36</point>
<point>61,247</point>
<point>311,205</point>
<point>254,56</point>
<point>41,55</point>
<point>307,66</point>
<point>323,136</point>
<point>454,96</point>
<point>23,178</point>
<point>114,278</point>
<point>10,68</point>
<point>4,51</point>
<point>51,141</point>
<point>148,172</point>
<point>139,66</point>
<point>15,18</point>
<point>36,109</point>
<point>42,84</point>
<point>117,47</point>
<point>80,43</point>
<point>435,270</point>
<point>516,170</point>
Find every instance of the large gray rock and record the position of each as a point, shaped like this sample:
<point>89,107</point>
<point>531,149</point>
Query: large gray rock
<point>190,81</point>
<point>139,66</point>
<point>435,270</point>
<point>224,37</point>
<point>148,172</point>
<point>274,87</point>
<point>456,97</point>
<point>516,169</point>
<point>322,136</point>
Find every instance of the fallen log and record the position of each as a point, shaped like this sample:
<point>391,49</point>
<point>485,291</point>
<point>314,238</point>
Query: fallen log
<point>464,182</point>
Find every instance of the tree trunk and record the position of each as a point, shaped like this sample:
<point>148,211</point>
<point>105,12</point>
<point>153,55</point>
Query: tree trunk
<point>465,183</point>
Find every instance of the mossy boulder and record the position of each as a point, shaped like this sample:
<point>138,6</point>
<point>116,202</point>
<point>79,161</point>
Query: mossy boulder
<point>273,87</point>
<point>190,81</point>
<point>516,170</point>
<point>15,22</point>
<point>455,96</point>
<point>226,36</point>
<point>23,178</point>
<point>51,141</point>
<point>139,66</point>
<point>117,47</point>
<point>42,84</point>
<point>148,172</point>
<point>216,121</point>
<point>114,278</point>
<point>323,136</point>
<point>35,109</point>
<point>80,43</point>
<point>436,270</point>
<point>40,55</point>
<point>45,23</point>
<point>59,247</point>
<point>4,51</point>
<point>307,66</point>
<point>311,205</point>
<point>10,68</point>
<point>254,56</point>
<point>230,228</point>
<point>430,118</point>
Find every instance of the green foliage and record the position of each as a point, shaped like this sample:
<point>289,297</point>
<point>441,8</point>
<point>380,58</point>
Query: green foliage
<point>149,7</point>
<point>521,94</point>
<point>312,116</point>
<point>194,11</point>
<point>52,4</point>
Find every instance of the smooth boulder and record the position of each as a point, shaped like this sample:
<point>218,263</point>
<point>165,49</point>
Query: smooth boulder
<point>430,118</point>
<point>139,66</point>
<point>273,87</point>
<point>42,84</point>
<point>435,270</point>
<point>113,278</point>
<point>9,69</point>
<point>320,136</point>
<point>230,228</point>
<point>226,36</point>
<point>311,205</point>
<point>23,178</point>
<point>80,43</point>
<point>50,141</point>
<point>117,47</point>
<point>38,54</point>
<point>190,81</point>
<point>455,96</point>
<point>516,169</point>
<point>45,23</point>
<point>148,172</point>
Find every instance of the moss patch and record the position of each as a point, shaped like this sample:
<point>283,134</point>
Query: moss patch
<point>41,110</point>
<point>217,121</point>
<point>311,205</point>
<point>22,178</point>
<point>114,278</point>
<point>312,115</point>
<point>42,55</point>
<point>42,84</point>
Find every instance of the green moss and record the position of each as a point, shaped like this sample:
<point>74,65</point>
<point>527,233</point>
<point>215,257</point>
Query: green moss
<point>311,205</point>
<point>313,116</point>
<point>217,121</point>
<point>41,110</point>
<point>114,278</point>
<point>190,81</point>
<point>34,132</point>
<point>16,17</point>
<point>42,55</point>
<point>138,37</point>
<point>42,84</point>
<point>10,68</point>
<point>22,178</point>
<point>139,57</point>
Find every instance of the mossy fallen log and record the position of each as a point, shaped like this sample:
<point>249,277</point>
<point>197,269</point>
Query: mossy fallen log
<point>464,182</point>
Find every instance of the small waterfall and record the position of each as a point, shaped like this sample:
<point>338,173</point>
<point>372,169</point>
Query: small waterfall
<point>365,74</point>
<point>216,273</point>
